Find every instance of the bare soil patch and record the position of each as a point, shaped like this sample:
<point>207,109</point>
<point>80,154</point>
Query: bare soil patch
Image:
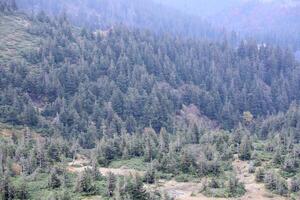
<point>254,190</point>
<point>189,190</point>
<point>183,191</point>
<point>82,163</point>
<point>6,132</point>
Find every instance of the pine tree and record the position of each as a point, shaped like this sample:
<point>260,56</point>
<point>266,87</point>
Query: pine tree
<point>290,164</point>
<point>8,5</point>
<point>185,162</point>
<point>163,141</point>
<point>96,174</point>
<point>111,184</point>
<point>277,158</point>
<point>119,193</point>
<point>295,184</point>
<point>149,176</point>
<point>195,134</point>
<point>148,152</point>
<point>232,184</point>
<point>8,191</point>
<point>135,189</point>
<point>54,180</point>
<point>22,192</point>
<point>30,116</point>
<point>84,182</point>
<point>245,148</point>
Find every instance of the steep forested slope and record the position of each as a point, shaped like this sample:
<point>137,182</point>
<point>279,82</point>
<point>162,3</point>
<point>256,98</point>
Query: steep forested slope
<point>201,8</point>
<point>134,13</point>
<point>72,100</point>
<point>131,79</point>
<point>271,21</point>
<point>15,40</point>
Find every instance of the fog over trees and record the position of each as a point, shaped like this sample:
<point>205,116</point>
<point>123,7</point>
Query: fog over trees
<point>140,99</point>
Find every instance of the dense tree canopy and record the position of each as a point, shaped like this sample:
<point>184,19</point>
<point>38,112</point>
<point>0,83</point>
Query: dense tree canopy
<point>129,79</point>
<point>182,107</point>
<point>8,5</point>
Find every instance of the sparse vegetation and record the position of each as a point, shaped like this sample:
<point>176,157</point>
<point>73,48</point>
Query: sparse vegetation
<point>224,188</point>
<point>15,40</point>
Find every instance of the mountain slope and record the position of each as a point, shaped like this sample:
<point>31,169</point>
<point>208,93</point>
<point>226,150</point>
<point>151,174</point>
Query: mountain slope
<point>15,40</point>
<point>264,15</point>
<point>129,79</point>
<point>202,8</point>
<point>273,21</point>
<point>134,13</point>
<point>132,99</point>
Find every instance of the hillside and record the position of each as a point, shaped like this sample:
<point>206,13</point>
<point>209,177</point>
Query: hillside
<point>145,79</point>
<point>134,13</point>
<point>201,8</point>
<point>124,113</point>
<point>149,86</point>
<point>15,40</point>
<point>264,16</point>
<point>271,21</point>
<point>268,21</point>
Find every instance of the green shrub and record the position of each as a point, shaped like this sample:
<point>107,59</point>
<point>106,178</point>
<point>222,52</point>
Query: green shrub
<point>276,183</point>
<point>165,176</point>
<point>295,184</point>
<point>182,178</point>
<point>259,175</point>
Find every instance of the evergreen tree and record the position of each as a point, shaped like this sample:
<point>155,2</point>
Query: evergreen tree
<point>22,192</point>
<point>96,174</point>
<point>84,182</point>
<point>135,188</point>
<point>195,134</point>
<point>163,141</point>
<point>8,191</point>
<point>149,176</point>
<point>111,184</point>
<point>54,180</point>
<point>245,148</point>
<point>295,184</point>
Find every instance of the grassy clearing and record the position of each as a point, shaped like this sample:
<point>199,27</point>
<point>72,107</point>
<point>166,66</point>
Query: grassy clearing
<point>186,178</point>
<point>134,163</point>
<point>37,187</point>
<point>14,38</point>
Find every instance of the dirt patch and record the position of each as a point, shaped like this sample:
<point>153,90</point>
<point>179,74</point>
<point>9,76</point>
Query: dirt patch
<point>189,190</point>
<point>76,169</point>
<point>79,164</point>
<point>82,163</point>
<point>93,198</point>
<point>180,191</point>
<point>254,190</point>
<point>6,133</point>
<point>120,171</point>
<point>183,191</point>
<point>105,171</point>
<point>16,169</point>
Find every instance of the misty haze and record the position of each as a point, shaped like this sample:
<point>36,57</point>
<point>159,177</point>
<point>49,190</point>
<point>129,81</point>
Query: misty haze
<point>149,99</point>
